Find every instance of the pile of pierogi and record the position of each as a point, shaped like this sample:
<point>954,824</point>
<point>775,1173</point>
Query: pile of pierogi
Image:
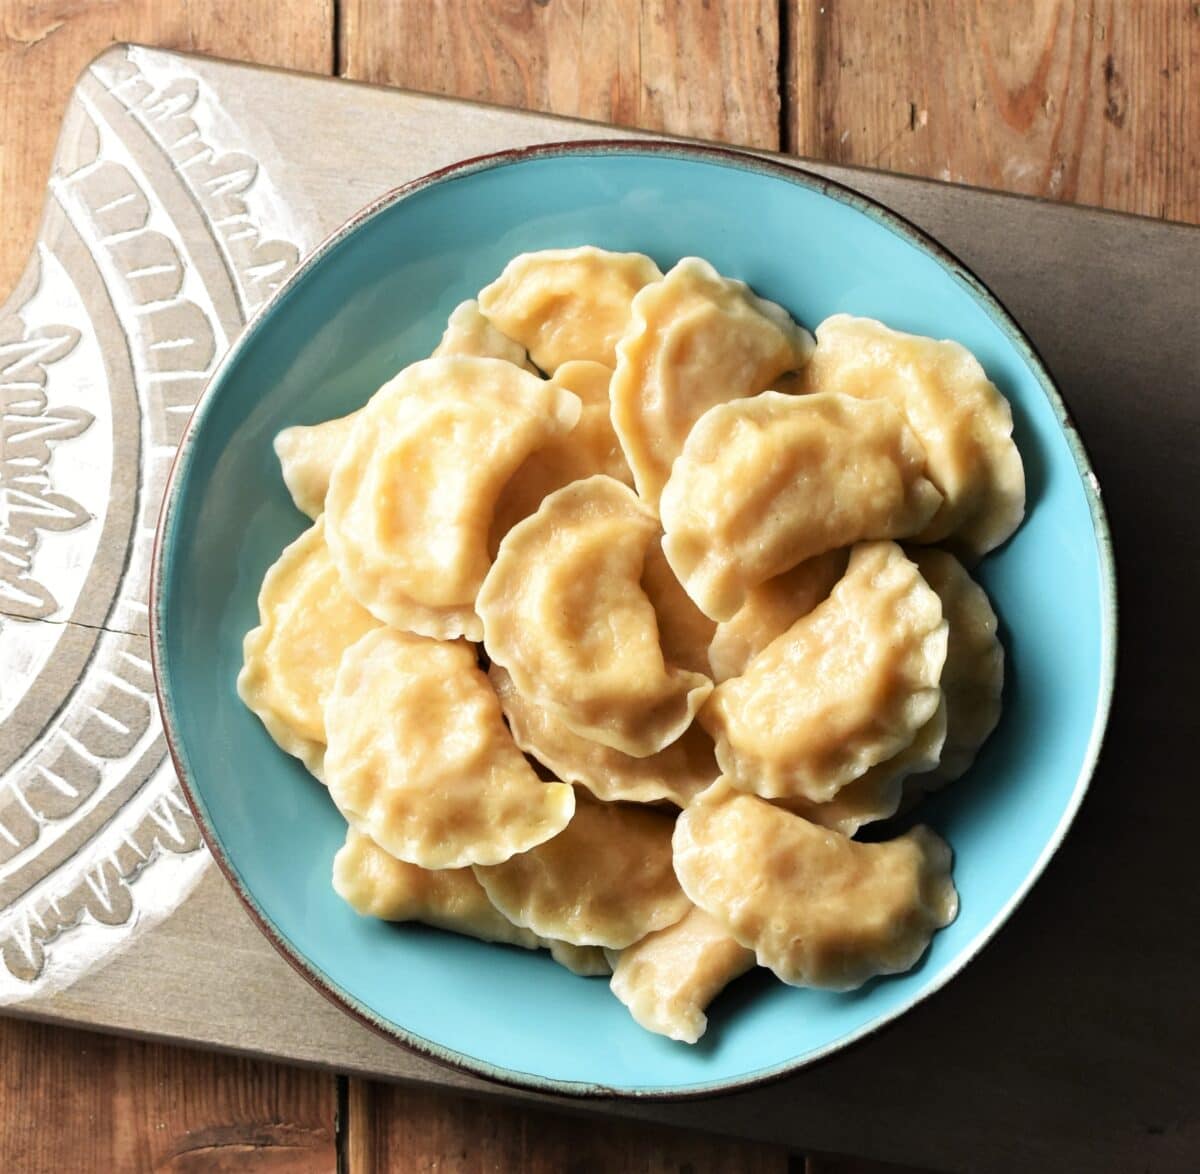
<point>623,612</point>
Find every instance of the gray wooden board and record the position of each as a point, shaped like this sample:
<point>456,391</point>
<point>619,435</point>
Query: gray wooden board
<point>183,191</point>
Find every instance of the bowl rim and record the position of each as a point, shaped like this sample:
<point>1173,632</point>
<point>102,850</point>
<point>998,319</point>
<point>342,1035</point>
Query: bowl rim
<point>735,159</point>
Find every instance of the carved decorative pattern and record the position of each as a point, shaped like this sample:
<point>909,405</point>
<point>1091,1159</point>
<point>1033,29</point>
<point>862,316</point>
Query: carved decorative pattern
<point>153,253</point>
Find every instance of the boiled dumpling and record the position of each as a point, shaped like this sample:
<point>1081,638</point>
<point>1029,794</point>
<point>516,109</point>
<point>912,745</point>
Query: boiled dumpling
<point>378,885</point>
<point>684,631</point>
<point>414,489</point>
<point>845,687</point>
<point>589,448</point>
<point>879,793</point>
<point>816,908</point>
<point>420,760</point>
<point>307,620</point>
<point>670,976</point>
<point>586,961</point>
<point>770,609</point>
<point>563,612</point>
<point>677,773</point>
<point>606,880</point>
<point>696,339</point>
<point>308,452</point>
<point>973,678</point>
<point>764,483</point>
<point>564,304</point>
<point>375,884</point>
<point>468,332</point>
<point>961,419</point>
<point>597,446</point>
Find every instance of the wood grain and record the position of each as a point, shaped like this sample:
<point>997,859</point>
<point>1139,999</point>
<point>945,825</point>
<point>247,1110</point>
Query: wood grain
<point>45,43</point>
<point>398,1128</point>
<point>76,1101</point>
<point>706,69</point>
<point>1084,102</point>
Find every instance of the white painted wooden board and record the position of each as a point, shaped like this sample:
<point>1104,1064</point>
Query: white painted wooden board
<point>183,191</point>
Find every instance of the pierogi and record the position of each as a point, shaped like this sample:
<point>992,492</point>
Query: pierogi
<point>963,422</point>
<point>589,448</point>
<point>375,884</point>
<point>414,489</point>
<point>770,609</point>
<point>308,452</point>
<point>764,483</point>
<point>306,620</point>
<point>880,791</point>
<point>684,631</point>
<point>468,332</point>
<point>670,976</point>
<point>676,774</point>
<point>605,880</point>
<point>564,304</point>
<point>845,687</point>
<point>563,611</point>
<point>973,678</point>
<point>697,339</point>
<point>816,908</point>
<point>420,760</point>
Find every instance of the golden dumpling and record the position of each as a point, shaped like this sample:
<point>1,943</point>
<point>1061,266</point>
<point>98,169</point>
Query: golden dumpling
<point>770,609</point>
<point>973,678</point>
<point>670,976</point>
<point>307,619</point>
<point>420,760</point>
<point>765,483</point>
<point>308,452</point>
<point>684,631</point>
<point>606,880</point>
<point>378,885</point>
<point>589,448</point>
<point>468,332</point>
<point>845,687</point>
<point>963,422</point>
<point>564,304</point>
<point>816,908</point>
<point>880,791</point>
<point>677,773</point>
<point>564,613</point>
<point>697,339</point>
<point>413,492</point>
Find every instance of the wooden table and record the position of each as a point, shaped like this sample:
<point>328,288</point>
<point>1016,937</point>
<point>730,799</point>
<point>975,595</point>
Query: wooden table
<point>1081,102</point>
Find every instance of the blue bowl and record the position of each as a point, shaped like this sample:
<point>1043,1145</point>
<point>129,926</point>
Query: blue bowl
<point>375,297</point>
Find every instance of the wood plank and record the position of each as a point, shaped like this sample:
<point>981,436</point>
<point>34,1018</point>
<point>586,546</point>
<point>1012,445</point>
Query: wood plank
<point>73,1100</point>
<point>700,69</point>
<point>45,43</point>
<point>1086,101</point>
<point>392,1127</point>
